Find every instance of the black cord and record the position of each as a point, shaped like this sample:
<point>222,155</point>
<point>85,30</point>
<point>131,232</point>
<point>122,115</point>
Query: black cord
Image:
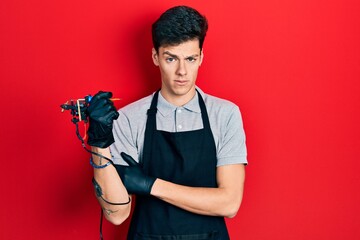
<point>101,222</point>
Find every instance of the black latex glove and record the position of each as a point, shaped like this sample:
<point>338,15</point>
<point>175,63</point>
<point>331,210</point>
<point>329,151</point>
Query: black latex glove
<point>102,113</point>
<point>133,177</point>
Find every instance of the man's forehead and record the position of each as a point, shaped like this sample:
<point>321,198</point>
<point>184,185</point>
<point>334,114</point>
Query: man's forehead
<point>187,48</point>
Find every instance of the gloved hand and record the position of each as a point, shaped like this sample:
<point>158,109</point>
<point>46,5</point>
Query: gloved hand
<point>102,113</point>
<point>133,177</point>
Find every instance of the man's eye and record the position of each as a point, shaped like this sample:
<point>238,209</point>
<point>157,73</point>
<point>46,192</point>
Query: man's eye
<point>170,59</point>
<point>191,59</point>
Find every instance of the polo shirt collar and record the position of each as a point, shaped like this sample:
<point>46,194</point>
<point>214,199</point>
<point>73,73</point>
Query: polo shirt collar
<point>165,108</point>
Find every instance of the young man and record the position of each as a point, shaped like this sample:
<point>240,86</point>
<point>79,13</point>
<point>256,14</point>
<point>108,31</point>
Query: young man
<point>184,150</point>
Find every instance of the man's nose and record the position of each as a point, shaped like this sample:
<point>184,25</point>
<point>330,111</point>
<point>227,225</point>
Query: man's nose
<point>181,70</point>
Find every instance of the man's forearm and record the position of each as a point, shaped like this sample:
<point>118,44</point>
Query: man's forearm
<point>205,201</point>
<point>112,189</point>
<point>224,200</point>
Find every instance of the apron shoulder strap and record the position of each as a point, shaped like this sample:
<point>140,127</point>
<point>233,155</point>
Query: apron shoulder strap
<point>204,114</point>
<point>150,123</point>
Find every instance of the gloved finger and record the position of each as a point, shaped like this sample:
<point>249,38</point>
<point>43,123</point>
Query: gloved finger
<point>113,115</point>
<point>101,106</point>
<point>100,95</point>
<point>128,159</point>
<point>97,104</point>
<point>111,108</point>
<point>116,116</point>
<point>107,106</point>
<point>110,117</point>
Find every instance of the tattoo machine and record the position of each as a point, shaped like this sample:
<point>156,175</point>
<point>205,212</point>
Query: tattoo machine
<point>78,111</point>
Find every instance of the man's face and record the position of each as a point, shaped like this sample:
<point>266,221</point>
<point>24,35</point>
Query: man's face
<point>178,66</point>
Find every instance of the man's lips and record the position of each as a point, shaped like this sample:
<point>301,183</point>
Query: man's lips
<point>181,82</point>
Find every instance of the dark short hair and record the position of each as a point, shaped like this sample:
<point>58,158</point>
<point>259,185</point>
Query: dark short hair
<point>177,25</point>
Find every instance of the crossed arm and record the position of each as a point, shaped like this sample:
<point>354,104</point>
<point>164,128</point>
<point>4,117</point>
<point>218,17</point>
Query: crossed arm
<point>224,200</point>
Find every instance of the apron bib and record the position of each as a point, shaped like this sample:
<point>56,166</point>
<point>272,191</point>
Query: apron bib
<point>186,158</point>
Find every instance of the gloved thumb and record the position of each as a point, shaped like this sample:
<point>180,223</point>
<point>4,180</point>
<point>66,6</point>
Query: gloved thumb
<point>128,159</point>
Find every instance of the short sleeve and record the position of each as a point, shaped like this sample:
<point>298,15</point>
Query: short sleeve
<point>232,147</point>
<point>124,140</point>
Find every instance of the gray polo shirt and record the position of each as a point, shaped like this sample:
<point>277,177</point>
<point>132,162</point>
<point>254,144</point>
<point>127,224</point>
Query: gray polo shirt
<point>225,122</point>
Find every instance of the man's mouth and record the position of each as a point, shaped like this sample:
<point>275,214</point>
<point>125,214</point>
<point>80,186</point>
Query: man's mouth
<point>181,82</point>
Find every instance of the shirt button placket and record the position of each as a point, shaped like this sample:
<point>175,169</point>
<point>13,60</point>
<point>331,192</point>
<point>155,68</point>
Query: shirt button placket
<point>179,125</point>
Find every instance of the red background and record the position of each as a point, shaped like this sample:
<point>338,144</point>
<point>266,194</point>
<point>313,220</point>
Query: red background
<point>293,67</point>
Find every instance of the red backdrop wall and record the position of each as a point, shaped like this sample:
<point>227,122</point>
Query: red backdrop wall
<point>293,67</point>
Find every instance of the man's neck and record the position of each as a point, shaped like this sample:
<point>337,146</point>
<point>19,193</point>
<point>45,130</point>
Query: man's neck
<point>178,100</point>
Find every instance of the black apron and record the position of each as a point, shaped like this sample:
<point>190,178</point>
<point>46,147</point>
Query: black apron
<point>186,158</point>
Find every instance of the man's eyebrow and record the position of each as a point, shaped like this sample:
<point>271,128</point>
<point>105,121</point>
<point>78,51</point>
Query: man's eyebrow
<point>193,56</point>
<point>170,54</point>
<point>175,56</point>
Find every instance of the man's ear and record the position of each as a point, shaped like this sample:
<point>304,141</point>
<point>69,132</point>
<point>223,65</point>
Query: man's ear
<point>155,57</point>
<point>201,56</point>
